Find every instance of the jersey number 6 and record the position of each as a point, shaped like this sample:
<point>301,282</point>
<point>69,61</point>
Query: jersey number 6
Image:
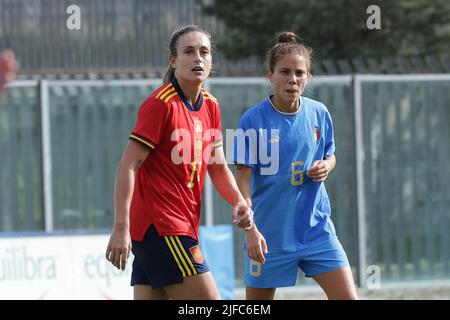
<point>296,174</point>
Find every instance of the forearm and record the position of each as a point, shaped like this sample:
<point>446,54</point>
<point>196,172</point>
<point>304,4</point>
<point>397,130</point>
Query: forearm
<point>243,177</point>
<point>123,194</point>
<point>225,183</point>
<point>331,160</point>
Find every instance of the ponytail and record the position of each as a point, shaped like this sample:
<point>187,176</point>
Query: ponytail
<point>168,74</point>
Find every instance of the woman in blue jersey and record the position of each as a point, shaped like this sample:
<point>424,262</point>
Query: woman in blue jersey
<point>292,227</point>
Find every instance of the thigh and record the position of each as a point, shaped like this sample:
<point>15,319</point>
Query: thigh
<point>196,287</point>
<point>279,270</point>
<point>338,284</point>
<point>146,292</point>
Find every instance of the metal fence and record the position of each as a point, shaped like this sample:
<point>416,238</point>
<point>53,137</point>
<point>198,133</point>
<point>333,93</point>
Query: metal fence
<point>61,142</point>
<point>403,184</point>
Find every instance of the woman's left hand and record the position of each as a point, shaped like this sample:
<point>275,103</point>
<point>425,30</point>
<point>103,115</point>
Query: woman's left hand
<point>319,171</point>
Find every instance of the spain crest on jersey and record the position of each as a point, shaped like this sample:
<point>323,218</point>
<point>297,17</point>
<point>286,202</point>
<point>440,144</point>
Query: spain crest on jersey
<point>197,254</point>
<point>197,125</point>
<point>316,134</point>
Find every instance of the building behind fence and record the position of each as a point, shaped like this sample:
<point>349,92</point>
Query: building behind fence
<point>132,36</point>
<point>60,142</point>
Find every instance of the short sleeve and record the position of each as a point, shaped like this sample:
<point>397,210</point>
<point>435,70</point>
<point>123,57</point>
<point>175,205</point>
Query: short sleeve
<point>329,136</point>
<point>151,123</point>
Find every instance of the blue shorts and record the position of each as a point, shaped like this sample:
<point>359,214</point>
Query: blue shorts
<point>161,261</point>
<point>280,269</point>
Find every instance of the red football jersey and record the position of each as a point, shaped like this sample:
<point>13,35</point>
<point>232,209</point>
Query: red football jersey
<point>168,185</point>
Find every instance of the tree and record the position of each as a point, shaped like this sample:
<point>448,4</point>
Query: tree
<point>334,29</point>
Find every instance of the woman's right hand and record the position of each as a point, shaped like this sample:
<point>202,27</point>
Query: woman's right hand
<point>119,247</point>
<point>256,244</point>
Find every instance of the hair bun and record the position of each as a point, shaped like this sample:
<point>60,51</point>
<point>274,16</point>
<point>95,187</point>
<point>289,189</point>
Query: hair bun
<point>287,37</point>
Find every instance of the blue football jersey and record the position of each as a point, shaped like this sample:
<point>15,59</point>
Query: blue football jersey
<point>291,211</point>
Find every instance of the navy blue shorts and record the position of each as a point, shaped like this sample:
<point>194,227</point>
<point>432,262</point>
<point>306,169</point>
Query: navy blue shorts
<point>161,261</point>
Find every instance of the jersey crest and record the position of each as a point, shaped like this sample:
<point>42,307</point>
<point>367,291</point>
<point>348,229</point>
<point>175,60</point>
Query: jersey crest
<point>197,254</point>
<point>316,134</point>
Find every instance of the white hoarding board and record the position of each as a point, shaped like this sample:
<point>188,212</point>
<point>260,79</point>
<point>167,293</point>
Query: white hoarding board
<point>61,267</point>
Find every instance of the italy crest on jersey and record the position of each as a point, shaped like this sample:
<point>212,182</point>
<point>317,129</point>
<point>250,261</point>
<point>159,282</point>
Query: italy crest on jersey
<point>316,134</point>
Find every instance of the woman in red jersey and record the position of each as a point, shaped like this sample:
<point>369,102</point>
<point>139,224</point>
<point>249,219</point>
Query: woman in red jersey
<point>8,68</point>
<point>159,182</point>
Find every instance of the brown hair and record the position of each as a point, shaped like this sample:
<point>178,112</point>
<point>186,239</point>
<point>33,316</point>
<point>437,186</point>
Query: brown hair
<point>168,74</point>
<point>287,43</point>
